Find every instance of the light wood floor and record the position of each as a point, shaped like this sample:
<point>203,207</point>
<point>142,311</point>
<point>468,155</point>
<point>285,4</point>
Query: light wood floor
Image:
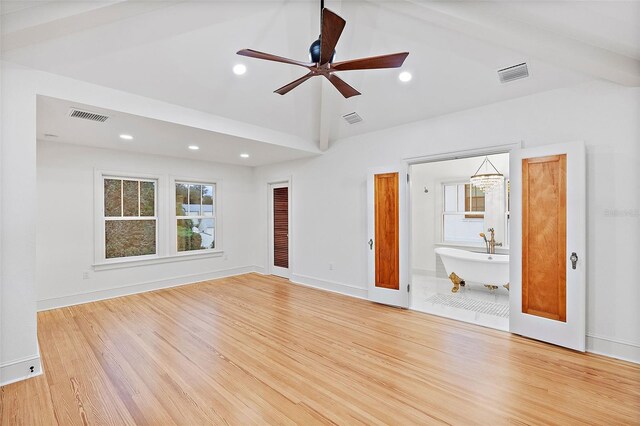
<point>255,349</point>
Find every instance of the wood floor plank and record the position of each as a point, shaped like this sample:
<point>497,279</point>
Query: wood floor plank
<point>257,349</point>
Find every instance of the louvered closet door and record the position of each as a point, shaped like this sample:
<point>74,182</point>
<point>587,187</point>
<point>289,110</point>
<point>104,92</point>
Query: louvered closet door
<point>280,230</point>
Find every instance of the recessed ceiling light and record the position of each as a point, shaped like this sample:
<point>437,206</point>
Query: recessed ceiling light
<point>239,69</point>
<point>244,155</point>
<point>405,76</point>
<point>126,137</point>
<point>194,147</point>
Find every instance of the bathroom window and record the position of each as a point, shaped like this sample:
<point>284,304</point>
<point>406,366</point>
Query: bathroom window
<point>463,215</point>
<point>473,202</point>
<point>195,216</point>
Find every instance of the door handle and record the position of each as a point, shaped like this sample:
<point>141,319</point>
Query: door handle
<point>574,260</point>
<point>371,244</point>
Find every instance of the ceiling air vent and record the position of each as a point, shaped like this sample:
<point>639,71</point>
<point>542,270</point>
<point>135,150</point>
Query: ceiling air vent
<point>87,115</point>
<point>352,118</point>
<point>515,72</point>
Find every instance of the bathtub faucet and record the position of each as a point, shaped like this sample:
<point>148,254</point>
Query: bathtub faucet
<point>491,249</point>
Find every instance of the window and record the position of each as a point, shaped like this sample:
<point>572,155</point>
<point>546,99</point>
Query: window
<point>130,218</point>
<point>463,213</point>
<point>195,216</point>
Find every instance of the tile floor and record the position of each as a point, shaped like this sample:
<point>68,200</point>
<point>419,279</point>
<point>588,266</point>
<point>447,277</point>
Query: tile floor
<point>433,295</point>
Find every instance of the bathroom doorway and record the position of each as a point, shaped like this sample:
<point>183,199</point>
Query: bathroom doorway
<point>460,238</point>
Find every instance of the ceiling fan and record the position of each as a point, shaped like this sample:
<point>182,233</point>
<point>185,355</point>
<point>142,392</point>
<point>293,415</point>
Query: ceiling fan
<point>322,52</point>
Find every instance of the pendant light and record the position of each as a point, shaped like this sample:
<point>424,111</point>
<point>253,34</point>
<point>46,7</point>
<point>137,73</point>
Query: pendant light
<point>488,179</point>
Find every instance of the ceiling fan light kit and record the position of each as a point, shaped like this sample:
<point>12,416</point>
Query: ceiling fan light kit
<point>322,52</point>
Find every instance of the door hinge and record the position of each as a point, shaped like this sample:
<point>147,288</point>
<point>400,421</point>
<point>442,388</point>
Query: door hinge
<point>408,288</point>
<point>408,177</point>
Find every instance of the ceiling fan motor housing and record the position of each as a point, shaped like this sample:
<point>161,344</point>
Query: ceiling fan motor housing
<point>314,52</point>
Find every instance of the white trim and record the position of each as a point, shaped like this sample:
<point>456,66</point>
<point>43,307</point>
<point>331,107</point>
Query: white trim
<point>330,286</point>
<point>93,296</point>
<point>423,272</point>
<point>17,370</point>
<point>130,262</point>
<point>465,153</point>
<point>613,348</point>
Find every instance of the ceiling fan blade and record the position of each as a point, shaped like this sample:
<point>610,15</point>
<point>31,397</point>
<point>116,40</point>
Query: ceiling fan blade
<point>394,60</point>
<point>342,86</point>
<point>287,88</point>
<point>332,26</point>
<point>269,57</point>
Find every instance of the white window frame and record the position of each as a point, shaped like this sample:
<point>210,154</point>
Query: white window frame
<point>100,224</point>
<point>217,208</point>
<point>507,214</point>
<point>444,213</point>
<point>166,233</point>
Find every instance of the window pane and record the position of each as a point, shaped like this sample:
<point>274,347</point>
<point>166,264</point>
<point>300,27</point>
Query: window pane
<point>196,234</point>
<point>461,197</point>
<point>207,200</point>
<point>147,199</point>
<point>450,196</point>
<point>125,238</point>
<point>195,198</point>
<point>459,229</point>
<point>112,200</point>
<point>473,201</point>
<point>130,198</point>
<point>182,199</point>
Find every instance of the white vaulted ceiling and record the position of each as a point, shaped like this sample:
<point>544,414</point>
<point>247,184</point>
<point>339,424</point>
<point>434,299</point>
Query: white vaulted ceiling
<point>183,52</point>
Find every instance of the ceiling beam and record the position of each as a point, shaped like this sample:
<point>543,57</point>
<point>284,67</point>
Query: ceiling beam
<point>49,21</point>
<point>327,100</point>
<point>325,113</point>
<point>492,22</point>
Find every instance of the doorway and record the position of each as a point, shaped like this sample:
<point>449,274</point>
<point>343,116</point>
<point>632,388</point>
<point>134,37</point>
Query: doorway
<point>541,199</point>
<point>460,239</point>
<point>279,202</point>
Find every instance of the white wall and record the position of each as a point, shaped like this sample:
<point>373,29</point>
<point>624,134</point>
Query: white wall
<point>329,197</point>
<point>65,223</point>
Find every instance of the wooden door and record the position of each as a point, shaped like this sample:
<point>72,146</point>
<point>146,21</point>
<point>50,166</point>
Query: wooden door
<point>387,231</point>
<point>544,236</point>
<point>547,248</point>
<point>279,230</point>
<point>388,239</point>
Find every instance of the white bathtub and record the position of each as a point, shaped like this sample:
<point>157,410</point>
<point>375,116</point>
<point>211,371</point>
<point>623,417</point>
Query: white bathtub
<point>466,266</point>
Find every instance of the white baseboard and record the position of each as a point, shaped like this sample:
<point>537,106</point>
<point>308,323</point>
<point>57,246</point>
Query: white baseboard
<point>94,296</point>
<point>423,272</point>
<point>14,371</point>
<point>614,348</point>
<point>335,287</point>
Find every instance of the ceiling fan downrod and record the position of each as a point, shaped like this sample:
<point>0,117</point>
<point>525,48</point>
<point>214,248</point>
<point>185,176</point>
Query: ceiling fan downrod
<point>315,48</point>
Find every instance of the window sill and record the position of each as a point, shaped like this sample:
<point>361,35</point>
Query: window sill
<point>130,263</point>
